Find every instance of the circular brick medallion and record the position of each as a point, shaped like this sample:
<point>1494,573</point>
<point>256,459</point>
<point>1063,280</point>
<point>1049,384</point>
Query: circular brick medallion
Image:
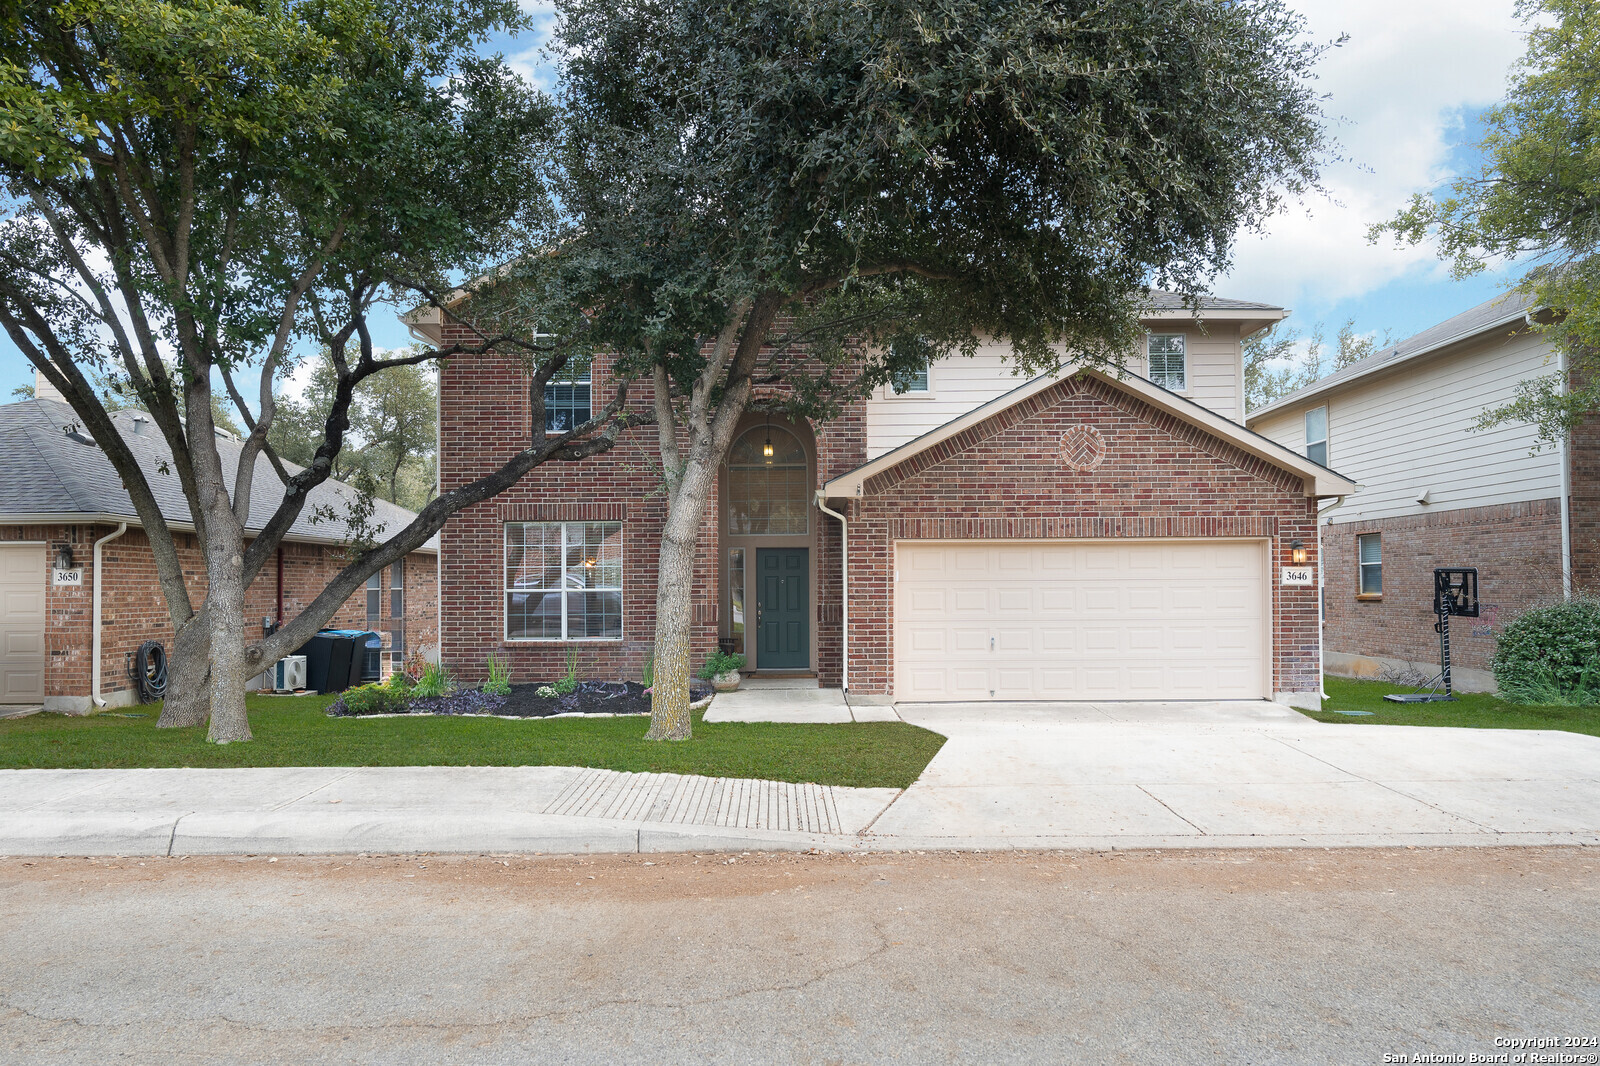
<point>1082,448</point>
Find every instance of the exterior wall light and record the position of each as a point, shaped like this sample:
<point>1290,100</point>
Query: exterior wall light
<point>766,449</point>
<point>1297,551</point>
<point>63,558</point>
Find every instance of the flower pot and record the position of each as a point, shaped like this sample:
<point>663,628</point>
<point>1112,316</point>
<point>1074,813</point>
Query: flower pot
<point>728,682</point>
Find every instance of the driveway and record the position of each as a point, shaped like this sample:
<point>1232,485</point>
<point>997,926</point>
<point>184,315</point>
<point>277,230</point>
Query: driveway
<point>1227,774</point>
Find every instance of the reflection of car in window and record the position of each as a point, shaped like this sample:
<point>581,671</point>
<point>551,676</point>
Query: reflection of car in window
<point>589,614</point>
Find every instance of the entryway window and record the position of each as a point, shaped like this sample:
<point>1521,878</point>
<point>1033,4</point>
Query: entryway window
<point>1369,557</point>
<point>563,580</point>
<point>1168,365</point>
<point>1317,435</point>
<point>736,598</point>
<point>768,483</point>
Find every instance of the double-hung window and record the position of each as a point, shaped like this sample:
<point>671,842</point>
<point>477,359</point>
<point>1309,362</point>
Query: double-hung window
<point>1168,365</point>
<point>1317,435</point>
<point>1369,561</point>
<point>563,580</point>
<point>567,401</point>
<point>910,380</point>
<point>397,613</point>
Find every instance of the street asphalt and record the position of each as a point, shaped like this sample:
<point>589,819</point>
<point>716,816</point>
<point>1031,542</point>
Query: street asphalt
<point>1231,956</point>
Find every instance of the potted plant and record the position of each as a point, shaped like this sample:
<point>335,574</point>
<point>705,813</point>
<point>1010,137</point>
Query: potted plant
<point>722,670</point>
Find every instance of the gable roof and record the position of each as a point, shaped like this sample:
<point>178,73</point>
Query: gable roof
<point>49,475</point>
<point>1498,313</point>
<point>1319,480</point>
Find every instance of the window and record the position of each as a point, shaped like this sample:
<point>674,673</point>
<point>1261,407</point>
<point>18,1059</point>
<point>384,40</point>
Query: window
<point>374,600</point>
<point>736,598</point>
<point>1317,435</point>
<point>563,580</point>
<point>910,380</point>
<point>1369,557</point>
<point>768,494</point>
<point>566,402</point>
<point>397,613</point>
<point>1167,366</point>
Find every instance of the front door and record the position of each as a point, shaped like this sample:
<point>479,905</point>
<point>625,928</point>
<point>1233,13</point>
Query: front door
<point>783,619</point>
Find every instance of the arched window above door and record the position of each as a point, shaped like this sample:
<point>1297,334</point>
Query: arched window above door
<point>768,494</point>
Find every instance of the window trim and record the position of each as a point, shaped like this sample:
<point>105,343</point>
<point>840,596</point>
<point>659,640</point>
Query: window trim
<point>505,593</point>
<point>1183,343</point>
<point>1306,431</point>
<point>1361,568</point>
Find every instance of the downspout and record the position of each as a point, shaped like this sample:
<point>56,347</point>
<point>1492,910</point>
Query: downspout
<point>94,668</point>
<point>844,581</point>
<point>1564,450</point>
<point>280,587</point>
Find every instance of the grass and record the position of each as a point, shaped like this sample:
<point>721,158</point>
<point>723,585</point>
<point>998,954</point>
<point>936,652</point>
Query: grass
<point>1475,710</point>
<point>294,731</point>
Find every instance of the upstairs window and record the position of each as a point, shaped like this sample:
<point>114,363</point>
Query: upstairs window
<point>1317,435</point>
<point>911,381</point>
<point>1168,367</point>
<point>566,401</point>
<point>1369,560</point>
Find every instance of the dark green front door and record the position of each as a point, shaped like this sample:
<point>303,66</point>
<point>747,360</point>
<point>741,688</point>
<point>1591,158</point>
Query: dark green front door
<point>782,606</point>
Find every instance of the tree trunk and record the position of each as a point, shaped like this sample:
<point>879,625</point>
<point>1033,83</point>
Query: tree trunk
<point>225,602</point>
<point>680,539</point>
<point>669,697</point>
<point>188,699</point>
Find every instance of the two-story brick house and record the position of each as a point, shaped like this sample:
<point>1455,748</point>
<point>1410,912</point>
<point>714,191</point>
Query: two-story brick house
<point>1075,536</point>
<point>1438,491</point>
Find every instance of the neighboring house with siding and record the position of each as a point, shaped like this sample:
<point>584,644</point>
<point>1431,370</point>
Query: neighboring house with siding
<point>1438,492</point>
<point>1077,535</point>
<point>60,497</point>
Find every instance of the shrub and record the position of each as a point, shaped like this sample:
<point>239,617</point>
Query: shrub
<point>372,699</point>
<point>499,683</point>
<point>435,681</point>
<point>1551,654</point>
<point>399,683</point>
<point>565,687</point>
<point>720,662</point>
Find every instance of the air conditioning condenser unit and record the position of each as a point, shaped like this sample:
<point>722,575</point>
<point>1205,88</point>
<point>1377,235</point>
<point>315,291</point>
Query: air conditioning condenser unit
<point>289,673</point>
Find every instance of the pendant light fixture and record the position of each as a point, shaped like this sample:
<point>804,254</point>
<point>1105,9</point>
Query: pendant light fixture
<point>766,449</point>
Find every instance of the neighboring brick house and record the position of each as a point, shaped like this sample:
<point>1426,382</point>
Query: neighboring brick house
<point>1075,536</point>
<point>1438,492</point>
<point>59,495</point>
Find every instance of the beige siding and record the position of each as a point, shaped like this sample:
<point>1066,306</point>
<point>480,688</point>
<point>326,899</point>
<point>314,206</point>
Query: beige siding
<point>1410,431</point>
<point>958,384</point>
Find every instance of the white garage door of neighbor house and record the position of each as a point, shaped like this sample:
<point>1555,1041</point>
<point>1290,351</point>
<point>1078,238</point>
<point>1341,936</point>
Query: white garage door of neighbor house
<point>22,578</point>
<point>1080,620</point>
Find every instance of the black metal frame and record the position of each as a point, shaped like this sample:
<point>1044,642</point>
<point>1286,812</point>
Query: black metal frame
<point>1455,592</point>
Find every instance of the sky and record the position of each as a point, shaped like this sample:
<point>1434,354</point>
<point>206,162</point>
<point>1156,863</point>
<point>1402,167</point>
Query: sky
<point>1405,95</point>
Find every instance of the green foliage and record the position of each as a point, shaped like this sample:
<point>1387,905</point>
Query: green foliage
<point>374,699</point>
<point>1551,655</point>
<point>720,662</point>
<point>400,682</point>
<point>1280,359</point>
<point>436,680</point>
<point>1536,199</point>
<point>499,682</point>
<point>647,674</point>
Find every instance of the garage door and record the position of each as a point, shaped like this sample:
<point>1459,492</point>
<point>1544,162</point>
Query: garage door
<point>21,623</point>
<point>1080,620</point>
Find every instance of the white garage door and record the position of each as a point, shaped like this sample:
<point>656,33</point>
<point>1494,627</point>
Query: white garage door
<point>1080,620</point>
<point>21,623</point>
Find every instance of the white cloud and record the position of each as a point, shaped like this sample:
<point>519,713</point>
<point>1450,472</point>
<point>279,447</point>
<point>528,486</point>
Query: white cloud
<point>1398,91</point>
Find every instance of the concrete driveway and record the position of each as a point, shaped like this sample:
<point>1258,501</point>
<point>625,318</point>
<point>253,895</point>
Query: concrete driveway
<point>1221,774</point>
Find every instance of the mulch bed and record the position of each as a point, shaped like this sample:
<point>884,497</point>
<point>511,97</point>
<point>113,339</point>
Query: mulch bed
<point>591,697</point>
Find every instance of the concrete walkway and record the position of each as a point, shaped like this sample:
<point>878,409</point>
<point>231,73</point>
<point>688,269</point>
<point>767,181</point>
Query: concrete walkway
<point>1010,776</point>
<point>796,699</point>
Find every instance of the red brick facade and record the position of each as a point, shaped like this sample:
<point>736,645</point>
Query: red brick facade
<point>1161,477</point>
<point>1003,479</point>
<point>133,610</point>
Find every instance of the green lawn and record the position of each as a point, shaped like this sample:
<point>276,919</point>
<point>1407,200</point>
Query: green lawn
<point>1474,710</point>
<point>294,731</point>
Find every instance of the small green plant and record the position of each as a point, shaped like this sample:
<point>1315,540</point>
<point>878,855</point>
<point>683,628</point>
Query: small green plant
<point>373,699</point>
<point>434,682</point>
<point>1551,655</point>
<point>720,662</point>
<point>647,676</point>
<point>546,692</point>
<point>399,683</point>
<point>499,683</point>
